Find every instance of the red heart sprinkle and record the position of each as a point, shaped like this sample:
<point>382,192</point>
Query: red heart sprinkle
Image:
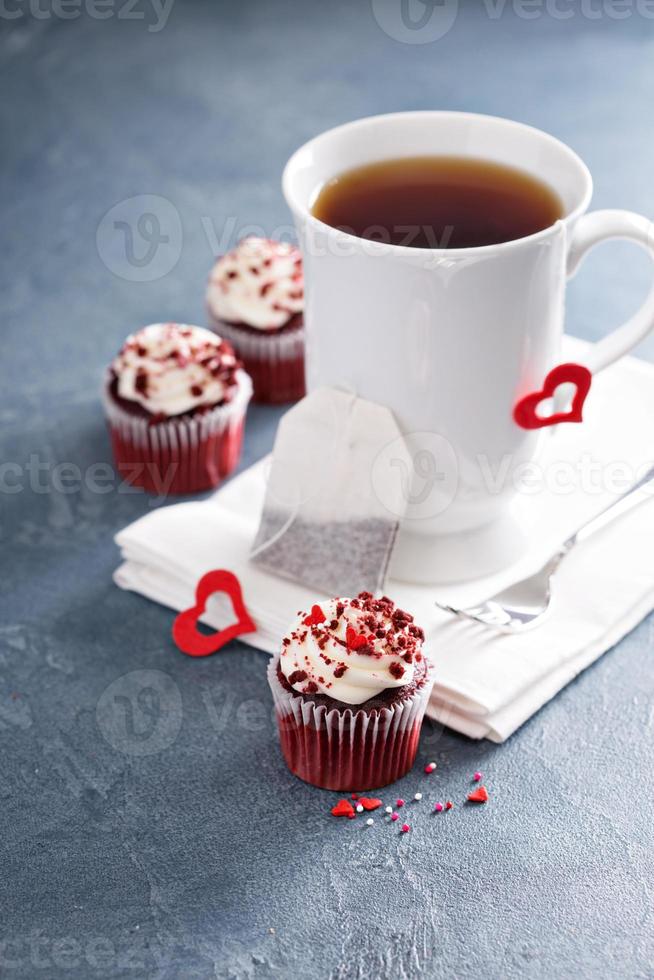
<point>315,617</point>
<point>369,802</point>
<point>354,640</point>
<point>185,628</point>
<point>525,411</point>
<point>479,796</point>
<point>343,809</point>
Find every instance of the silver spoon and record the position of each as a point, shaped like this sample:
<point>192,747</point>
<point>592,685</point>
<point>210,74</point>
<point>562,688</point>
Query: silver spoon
<point>524,604</point>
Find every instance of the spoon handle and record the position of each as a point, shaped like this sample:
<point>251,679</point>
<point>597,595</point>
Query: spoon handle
<point>610,513</point>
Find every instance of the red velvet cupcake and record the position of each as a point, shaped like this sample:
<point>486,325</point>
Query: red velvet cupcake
<point>255,299</point>
<point>175,399</point>
<point>350,687</point>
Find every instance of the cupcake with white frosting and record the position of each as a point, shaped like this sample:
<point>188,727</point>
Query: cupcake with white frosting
<point>255,299</point>
<point>351,685</point>
<point>175,398</point>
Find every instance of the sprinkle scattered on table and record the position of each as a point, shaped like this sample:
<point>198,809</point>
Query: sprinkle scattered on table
<point>369,802</point>
<point>361,803</point>
<point>479,796</point>
<point>343,809</point>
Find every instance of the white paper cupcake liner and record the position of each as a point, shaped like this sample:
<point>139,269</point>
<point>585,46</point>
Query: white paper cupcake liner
<point>264,345</point>
<point>183,454</point>
<point>274,361</point>
<point>348,749</point>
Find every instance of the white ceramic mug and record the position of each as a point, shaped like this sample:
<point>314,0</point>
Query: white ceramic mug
<point>449,339</point>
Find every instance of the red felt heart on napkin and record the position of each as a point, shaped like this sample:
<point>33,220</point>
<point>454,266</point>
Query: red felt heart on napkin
<point>525,412</point>
<point>185,628</point>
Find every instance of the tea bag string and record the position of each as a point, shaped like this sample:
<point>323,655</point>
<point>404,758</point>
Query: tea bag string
<point>274,538</point>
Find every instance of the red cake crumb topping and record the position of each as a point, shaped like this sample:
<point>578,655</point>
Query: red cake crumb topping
<point>337,635</point>
<point>147,369</point>
<point>258,283</point>
<point>141,382</point>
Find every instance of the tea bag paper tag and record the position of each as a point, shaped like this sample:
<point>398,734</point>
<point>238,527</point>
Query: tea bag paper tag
<point>335,495</point>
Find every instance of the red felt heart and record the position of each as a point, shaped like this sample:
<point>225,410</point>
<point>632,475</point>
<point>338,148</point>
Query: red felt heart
<point>479,796</point>
<point>525,412</point>
<point>354,640</point>
<point>369,802</point>
<point>316,617</point>
<point>343,809</point>
<point>185,630</point>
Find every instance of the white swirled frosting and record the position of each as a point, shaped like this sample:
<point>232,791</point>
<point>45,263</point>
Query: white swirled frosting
<point>259,283</point>
<point>351,649</point>
<point>171,368</point>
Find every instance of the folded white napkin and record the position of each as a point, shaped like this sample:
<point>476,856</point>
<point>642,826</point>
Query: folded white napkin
<point>487,684</point>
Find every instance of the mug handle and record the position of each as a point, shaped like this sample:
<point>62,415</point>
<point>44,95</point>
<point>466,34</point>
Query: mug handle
<point>601,226</point>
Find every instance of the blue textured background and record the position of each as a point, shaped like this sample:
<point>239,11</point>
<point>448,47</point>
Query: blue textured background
<point>150,827</point>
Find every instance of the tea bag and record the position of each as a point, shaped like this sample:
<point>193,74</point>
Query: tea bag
<point>333,503</point>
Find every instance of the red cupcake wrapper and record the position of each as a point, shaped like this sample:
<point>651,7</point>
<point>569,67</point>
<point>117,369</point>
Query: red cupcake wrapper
<point>184,454</point>
<point>351,749</point>
<point>274,361</point>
